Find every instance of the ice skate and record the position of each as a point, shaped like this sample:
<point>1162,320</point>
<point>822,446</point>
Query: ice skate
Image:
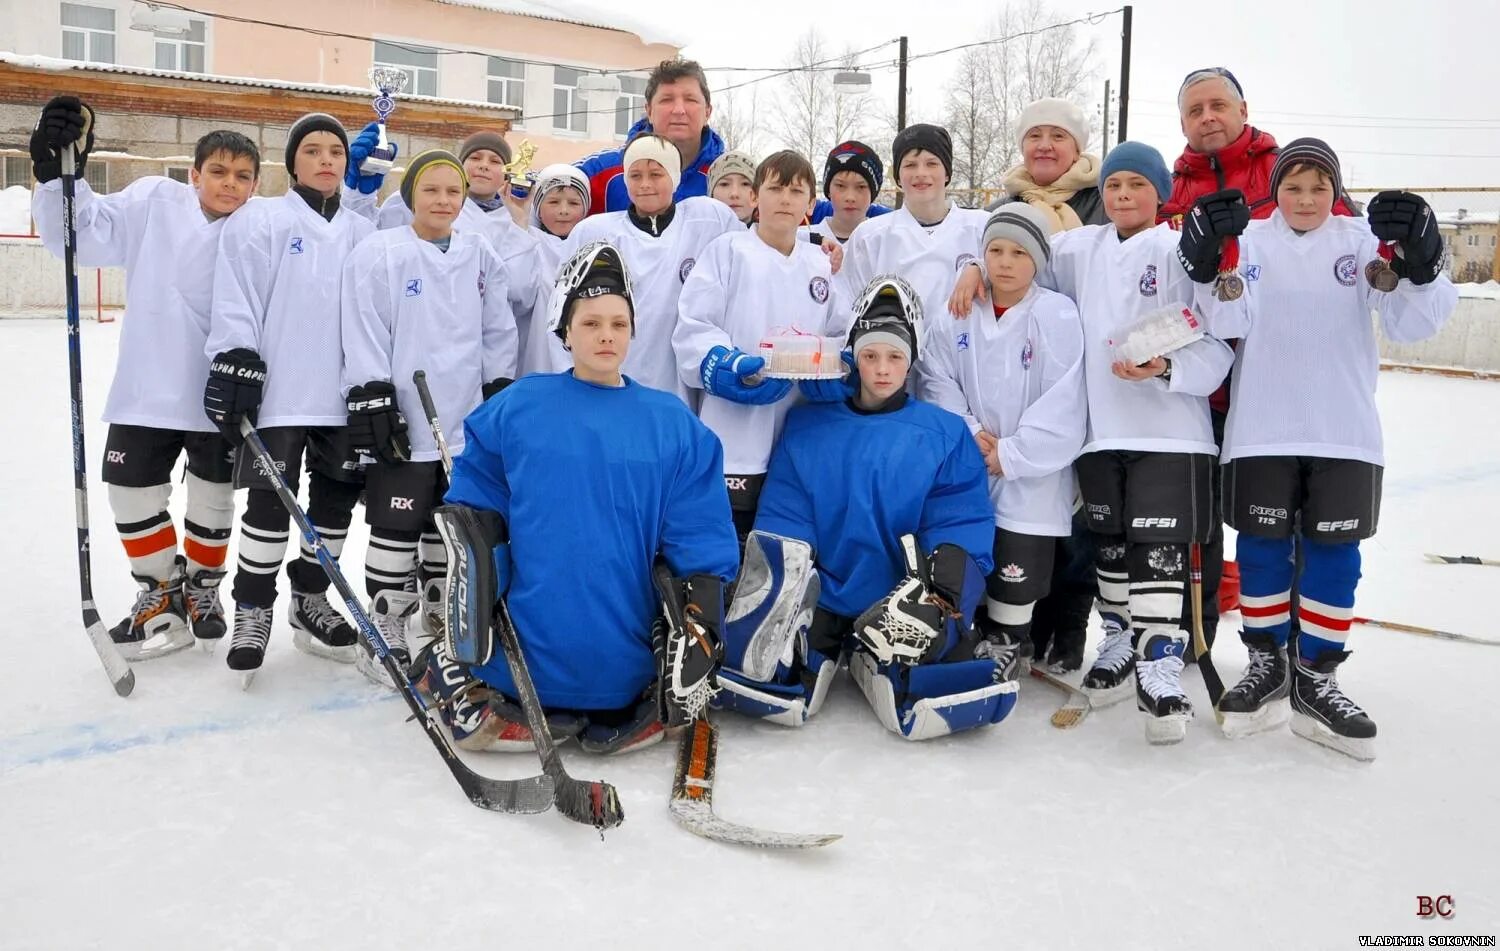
<point>205,613</point>
<point>1321,712</point>
<point>247,647</point>
<point>390,612</point>
<point>1158,690</point>
<point>158,623</point>
<point>1108,681</point>
<point>319,629</point>
<point>1258,703</point>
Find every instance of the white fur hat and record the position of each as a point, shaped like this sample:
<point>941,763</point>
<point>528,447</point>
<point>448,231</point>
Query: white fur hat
<point>1059,112</point>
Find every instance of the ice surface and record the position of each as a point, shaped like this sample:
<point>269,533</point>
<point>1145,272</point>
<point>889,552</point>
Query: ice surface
<point>305,814</point>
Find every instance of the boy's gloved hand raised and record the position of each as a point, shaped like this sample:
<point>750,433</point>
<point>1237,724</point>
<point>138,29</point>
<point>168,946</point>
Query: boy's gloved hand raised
<point>731,374</point>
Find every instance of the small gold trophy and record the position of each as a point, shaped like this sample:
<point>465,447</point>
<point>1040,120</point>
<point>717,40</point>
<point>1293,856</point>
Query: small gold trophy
<point>518,171</point>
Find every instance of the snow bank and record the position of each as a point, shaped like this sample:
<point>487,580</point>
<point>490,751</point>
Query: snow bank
<point>1489,290</point>
<point>15,210</point>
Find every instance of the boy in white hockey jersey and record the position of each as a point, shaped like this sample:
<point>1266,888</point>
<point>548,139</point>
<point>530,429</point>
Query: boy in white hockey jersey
<point>744,286</point>
<point>660,242</point>
<point>559,201</point>
<point>1013,369</point>
<point>929,239</point>
<point>1303,436</point>
<point>277,359</point>
<point>852,176</point>
<point>731,179</point>
<point>423,297</point>
<point>1145,467</point>
<point>154,414</point>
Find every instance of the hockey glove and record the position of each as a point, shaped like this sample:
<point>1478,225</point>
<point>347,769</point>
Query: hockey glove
<point>65,121</point>
<point>905,625</point>
<point>688,643</point>
<point>1214,217</point>
<point>495,386</point>
<point>1407,220</point>
<point>831,391</point>
<point>236,379</point>
<point>376,426</point>
<point>727,374</point>
<point>359,150</point>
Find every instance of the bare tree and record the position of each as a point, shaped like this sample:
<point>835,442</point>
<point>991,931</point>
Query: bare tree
<point>737,121</point>
<point>812,117</point>
<point>970,115</point>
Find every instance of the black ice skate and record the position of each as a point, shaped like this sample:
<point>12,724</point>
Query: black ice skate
<point>205,613</point>
<point>157,625</point>
<point>1258,702</point>
<point>1158,690</point>
<point>1108,681</point>
<point>1321,712</point>
<point>247,648</point>
<point>320,630</point>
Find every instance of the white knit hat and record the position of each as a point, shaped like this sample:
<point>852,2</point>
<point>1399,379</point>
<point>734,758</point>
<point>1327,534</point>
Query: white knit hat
<point>1059,112</point>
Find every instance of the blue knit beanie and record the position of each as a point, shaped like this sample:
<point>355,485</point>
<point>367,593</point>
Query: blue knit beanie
<point>1142,159</point>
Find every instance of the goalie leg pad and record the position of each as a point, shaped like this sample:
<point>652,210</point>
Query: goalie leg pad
<point>478,550</point>
<point>782,703</point>
<point>932,700</point>
<point>688,643</point>
<point>773,597</point>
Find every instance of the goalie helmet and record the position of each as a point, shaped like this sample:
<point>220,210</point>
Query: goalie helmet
<point>594,271</point>
<point>889,305</point>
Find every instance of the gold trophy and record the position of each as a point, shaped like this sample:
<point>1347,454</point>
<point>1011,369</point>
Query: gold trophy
<point>518,171</point>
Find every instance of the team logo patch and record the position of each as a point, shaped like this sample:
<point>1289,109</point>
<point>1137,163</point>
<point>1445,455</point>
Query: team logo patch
<point>414,287</point>
<point>818,288</point>
<point>963,342</point>
<point>296,247</point>
<point>1345,270</point>
<point>480,283</point>
<point>1252,272</point>
<point>1013,573</point>
<point>1026,354</point>
<point>685,268</point>
<point>1148,281</point>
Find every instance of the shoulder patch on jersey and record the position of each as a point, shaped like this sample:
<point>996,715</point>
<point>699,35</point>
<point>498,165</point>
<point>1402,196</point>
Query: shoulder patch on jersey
<point>1148,281</point>
<point>963,341</point>
<point>414,287</point>
<point>1345,270</point>
<point>685,268</point>
<point>1026,355</point>
<point>818,288</point>
<point>296,247</point>
<point>1252,272</point>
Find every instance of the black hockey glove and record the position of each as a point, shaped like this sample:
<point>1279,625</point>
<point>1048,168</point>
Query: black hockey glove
<point>65,120</point>
<point>1215,216</point>
<point>236,379</point>
<point>1407,220</point>
<point>376,426</point>
<point>688,641</point>
<point>495,386</point>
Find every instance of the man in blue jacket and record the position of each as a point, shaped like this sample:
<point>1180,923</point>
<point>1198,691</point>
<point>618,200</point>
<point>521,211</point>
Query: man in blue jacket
<point>678,109</point>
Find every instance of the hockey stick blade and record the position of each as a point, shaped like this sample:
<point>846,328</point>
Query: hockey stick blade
<point>1427,632</point>
<point>1462,560</point>
<point>692,799</point>
<point>117,668</point>
<point>1074,710</point>
<point>496,795</point>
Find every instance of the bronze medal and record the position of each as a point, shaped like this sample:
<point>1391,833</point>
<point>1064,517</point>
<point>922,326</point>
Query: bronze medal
<point>1229,287</point>
<point>1381,276</point>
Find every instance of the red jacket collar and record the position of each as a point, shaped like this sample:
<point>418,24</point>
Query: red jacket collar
<point>1251,143</point>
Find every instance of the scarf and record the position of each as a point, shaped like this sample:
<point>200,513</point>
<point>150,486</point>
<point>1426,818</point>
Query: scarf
<point>1052,199</point>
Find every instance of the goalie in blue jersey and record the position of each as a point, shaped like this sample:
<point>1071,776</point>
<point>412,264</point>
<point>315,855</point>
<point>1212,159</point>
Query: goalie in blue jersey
<point>602,502</point>
<point>892,496</point>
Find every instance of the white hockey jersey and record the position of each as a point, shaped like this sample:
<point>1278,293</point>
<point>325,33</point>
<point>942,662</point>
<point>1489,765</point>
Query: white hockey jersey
<point>277,284</point>
<point>659,266</point>
<point>155,228</point>
<point>929,258</point>
<point>407,306</point>
<point>1115,283</point>
<point>1018,377</point>
<point>1307,361</point>
<point>740,291</point>
<point>535,349</point>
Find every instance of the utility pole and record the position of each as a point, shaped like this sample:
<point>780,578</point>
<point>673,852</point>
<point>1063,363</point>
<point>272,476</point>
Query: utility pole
<point>901,91</point>
<point>1125,75</point>
<point>1104,148</point>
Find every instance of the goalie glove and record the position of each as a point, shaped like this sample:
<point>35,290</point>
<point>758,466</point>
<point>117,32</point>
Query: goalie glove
<point>688,644</point>
<point>904,625</point>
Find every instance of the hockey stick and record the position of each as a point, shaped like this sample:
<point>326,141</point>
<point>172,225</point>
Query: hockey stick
<point>1427,631</point>
<point>692,798</point>
<point>1077,706</point>
<point>533,794</point>
<point>1200,641</point>
<point>115,666</point>
<point>1462,560</point>
<point>593,802</point>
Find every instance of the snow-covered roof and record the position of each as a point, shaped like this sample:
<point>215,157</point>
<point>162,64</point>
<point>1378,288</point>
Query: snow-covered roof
<point>1468,218</point>
<point>55,64</point>
<point>600,16</point>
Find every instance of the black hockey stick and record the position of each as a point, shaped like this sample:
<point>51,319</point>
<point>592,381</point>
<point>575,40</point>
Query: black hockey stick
<point>533,794</point>
<point>115,666</point>
<point>1211,678</point>
<point>593,802</point>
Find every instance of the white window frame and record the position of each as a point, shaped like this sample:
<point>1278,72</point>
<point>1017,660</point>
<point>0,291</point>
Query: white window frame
<point>180,45</point>
<point>629,104</point>
<point>573,118</point>
<point>89,34</point>
<point>514,87</point>
<point>414,73</point>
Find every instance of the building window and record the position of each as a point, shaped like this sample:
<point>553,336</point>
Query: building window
<point>17,171</point>
<point>507,83</point>
<point>419,65</point>
<point>185,52</point>
<point>630,104</point>
<point>179,175</point>
<point>88,33</point>
<point>567,102</point>
<point>96,173</point>
<point>1472,240</point>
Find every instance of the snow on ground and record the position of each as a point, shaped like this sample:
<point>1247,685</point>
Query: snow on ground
<point>306,814</point>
